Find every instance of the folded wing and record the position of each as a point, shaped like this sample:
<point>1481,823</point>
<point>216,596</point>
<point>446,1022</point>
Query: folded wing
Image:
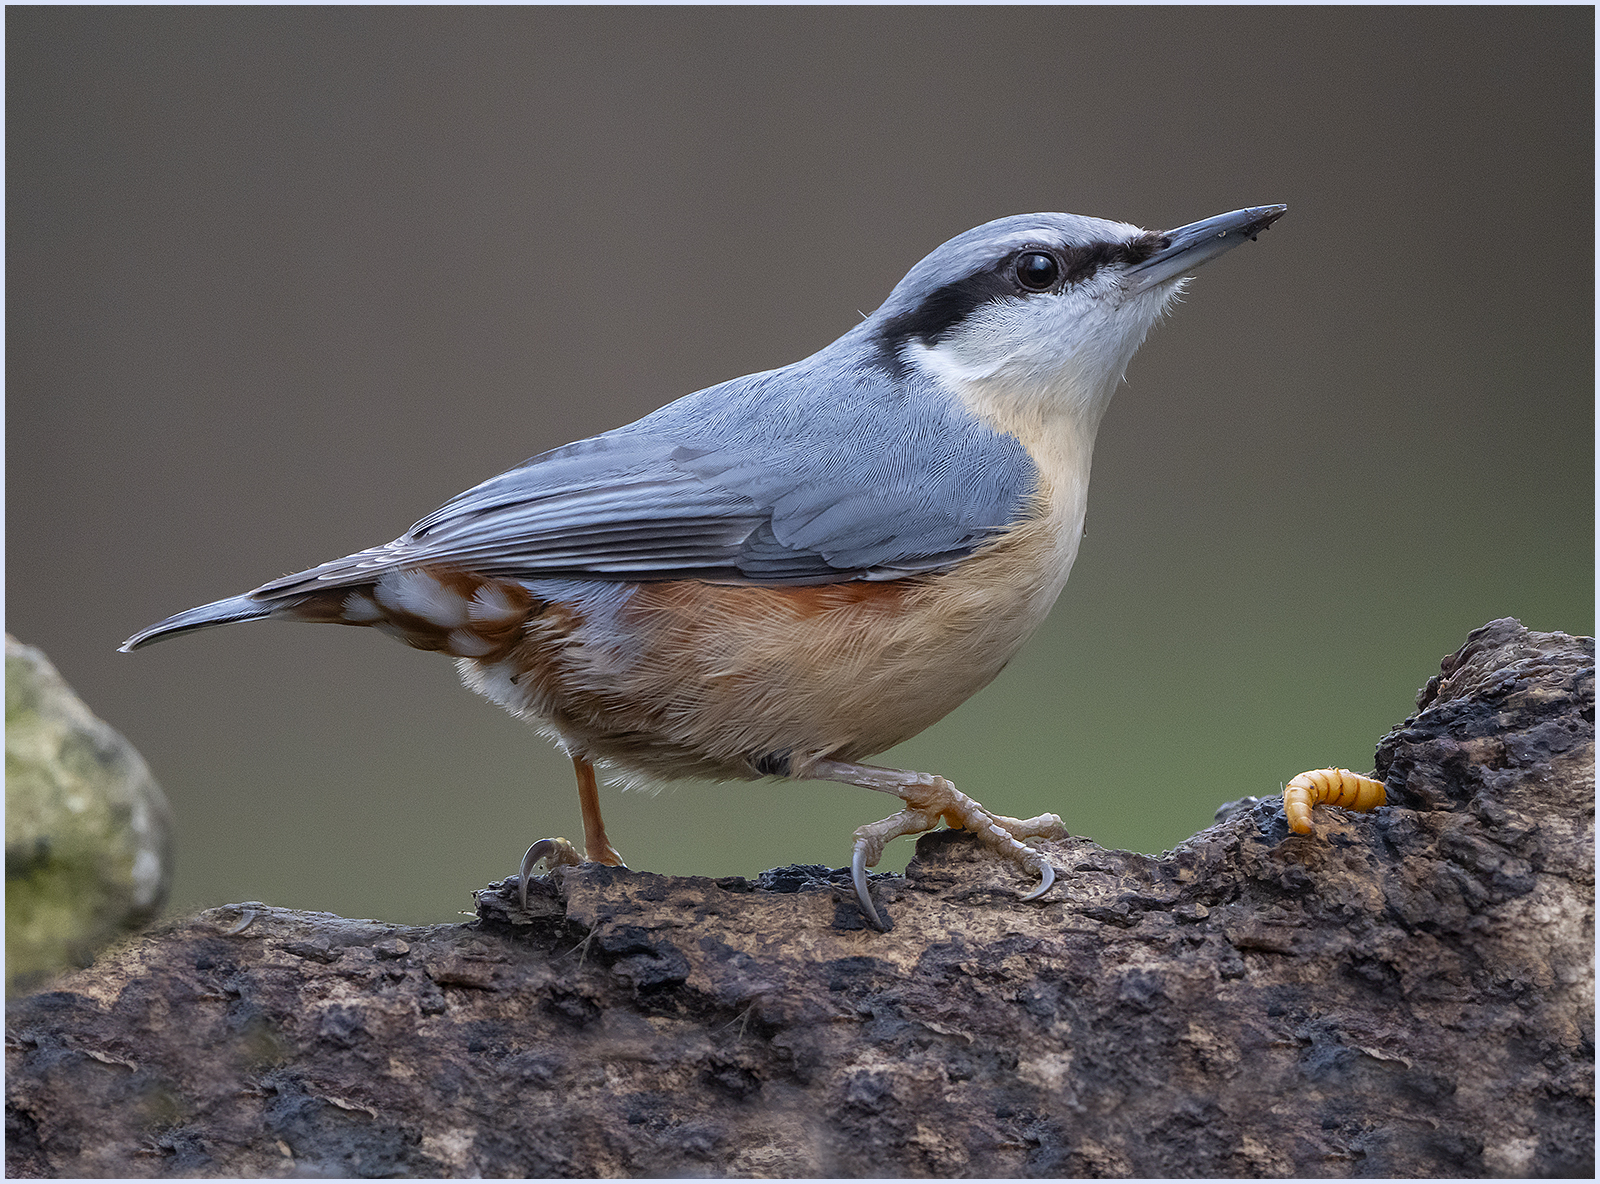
<point>755,480</point>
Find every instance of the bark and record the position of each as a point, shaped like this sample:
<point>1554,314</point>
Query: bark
<point>1404,993</point>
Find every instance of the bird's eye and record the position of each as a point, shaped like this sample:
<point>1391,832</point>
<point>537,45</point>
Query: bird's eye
<point>1036,271</point>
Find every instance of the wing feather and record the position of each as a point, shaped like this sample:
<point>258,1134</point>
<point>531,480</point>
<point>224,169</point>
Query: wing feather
<point>756,480</point>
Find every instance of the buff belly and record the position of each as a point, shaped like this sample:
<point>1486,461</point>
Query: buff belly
<point>696,679</point>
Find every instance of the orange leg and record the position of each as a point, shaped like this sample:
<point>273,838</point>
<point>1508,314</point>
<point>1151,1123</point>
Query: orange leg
<point>597,848</point>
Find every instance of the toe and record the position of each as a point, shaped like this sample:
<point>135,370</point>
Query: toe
<point>1047,877</point>
<point>556,852</point>
<point>858,875</point>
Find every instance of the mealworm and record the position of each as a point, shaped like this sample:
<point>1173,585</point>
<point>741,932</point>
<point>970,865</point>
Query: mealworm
<point>1328,787</point>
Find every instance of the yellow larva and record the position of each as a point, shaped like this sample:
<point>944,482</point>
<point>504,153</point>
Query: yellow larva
<point>1328,787</point>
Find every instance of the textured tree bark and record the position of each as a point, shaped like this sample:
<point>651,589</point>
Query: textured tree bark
<point>1404,993</point>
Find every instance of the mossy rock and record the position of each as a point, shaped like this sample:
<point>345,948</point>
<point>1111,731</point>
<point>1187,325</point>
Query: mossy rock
<point>88,830</point>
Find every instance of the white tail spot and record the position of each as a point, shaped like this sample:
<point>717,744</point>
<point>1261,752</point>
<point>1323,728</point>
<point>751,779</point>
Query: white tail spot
<point>463,643</point>
<point>359,608</point>
<point>421,595</point>
<point>490,605</point>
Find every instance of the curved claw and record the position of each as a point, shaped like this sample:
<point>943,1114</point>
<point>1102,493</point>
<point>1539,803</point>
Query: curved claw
<point>543,849</point>
<point>535,853</point>
<point>858,875</point>
<point>1047,877</point>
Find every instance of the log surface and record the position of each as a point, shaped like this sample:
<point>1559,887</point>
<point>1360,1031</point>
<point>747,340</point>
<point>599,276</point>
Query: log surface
<point>1404,993</point>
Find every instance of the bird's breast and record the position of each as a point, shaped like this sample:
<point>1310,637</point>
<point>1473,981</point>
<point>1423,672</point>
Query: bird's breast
<point>689,677</point>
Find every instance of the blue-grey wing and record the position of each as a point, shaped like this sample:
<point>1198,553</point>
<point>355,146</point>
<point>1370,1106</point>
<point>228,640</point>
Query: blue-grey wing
<point>809,474</point>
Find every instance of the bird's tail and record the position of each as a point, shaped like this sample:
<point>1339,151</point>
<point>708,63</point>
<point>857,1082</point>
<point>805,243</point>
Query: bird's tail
<point>220,612</point>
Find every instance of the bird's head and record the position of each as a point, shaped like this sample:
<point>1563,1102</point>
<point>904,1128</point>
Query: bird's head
<point>1038,315</point>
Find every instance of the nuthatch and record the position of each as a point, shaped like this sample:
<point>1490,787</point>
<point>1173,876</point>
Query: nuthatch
<point>783,574</point>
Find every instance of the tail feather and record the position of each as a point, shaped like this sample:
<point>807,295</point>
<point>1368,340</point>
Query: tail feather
<point>220,612</point>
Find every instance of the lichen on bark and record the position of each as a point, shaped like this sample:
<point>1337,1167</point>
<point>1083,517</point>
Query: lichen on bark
<point>88,830</point>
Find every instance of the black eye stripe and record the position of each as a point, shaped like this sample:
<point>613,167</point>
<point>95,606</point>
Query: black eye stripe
<point>945,307</point>
<point>1082,262</point>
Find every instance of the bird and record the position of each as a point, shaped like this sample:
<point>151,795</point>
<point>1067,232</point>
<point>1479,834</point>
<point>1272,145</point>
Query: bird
<point>784,574</point>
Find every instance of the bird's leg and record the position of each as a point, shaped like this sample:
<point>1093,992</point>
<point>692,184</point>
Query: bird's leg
<point>560,852</point>
<point>928,799</point>
<point>596,846</point>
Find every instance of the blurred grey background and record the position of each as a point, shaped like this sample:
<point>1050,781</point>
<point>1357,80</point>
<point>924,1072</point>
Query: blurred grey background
<point>281,280</point>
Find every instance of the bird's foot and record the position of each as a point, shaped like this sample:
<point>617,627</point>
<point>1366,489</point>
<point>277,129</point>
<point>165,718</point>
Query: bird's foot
<point>555,853</point>
<point>928,800</point>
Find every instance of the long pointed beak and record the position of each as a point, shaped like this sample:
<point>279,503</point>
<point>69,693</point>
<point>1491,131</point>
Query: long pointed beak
<point>1190,246</point>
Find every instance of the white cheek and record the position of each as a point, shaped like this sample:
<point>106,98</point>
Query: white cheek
<point>1041,336</point>
<point>1106,336</point>
<point>1084,336</point>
